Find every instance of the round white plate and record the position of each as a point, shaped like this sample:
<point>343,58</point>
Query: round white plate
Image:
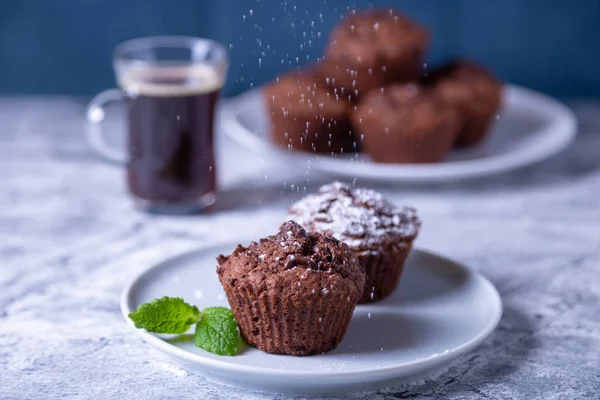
<point>530,128</point>
<point>440,311</point>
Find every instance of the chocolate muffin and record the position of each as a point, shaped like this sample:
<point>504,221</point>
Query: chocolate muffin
<point>476,94</point>
<point>371,49</point>
<point>294,292</point>
<point>377,232</point>
<point>405,123</point>
<point>307,116</point>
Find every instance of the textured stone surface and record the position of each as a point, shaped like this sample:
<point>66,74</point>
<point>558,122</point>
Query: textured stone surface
<point>69,240</point>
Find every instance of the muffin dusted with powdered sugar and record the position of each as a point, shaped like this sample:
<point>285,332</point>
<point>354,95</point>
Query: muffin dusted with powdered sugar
<point>379,233</point>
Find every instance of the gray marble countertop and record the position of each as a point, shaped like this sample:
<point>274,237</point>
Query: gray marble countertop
<point>70,239</point>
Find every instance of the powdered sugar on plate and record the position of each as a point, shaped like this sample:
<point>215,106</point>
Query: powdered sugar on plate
<point>359,217</point>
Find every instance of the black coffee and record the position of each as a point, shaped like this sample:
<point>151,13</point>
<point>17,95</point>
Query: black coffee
<point>171,129</point>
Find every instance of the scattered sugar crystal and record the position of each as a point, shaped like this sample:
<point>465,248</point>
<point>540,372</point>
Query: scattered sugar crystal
<point>261,257</point>
<point>299,284</point>
<point>324,291</point>
<point>292,257</point>
<point>314,291</point>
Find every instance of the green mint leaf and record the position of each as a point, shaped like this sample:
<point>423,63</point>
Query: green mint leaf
<point>165,315</point>
<point>217,331</point>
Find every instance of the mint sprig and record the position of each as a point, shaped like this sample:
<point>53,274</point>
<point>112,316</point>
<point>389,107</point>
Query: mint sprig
<point>216,329</point>
<point>165,315</point>
<point>217,332</point>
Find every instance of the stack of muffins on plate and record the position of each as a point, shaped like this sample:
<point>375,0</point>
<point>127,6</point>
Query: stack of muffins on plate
<point>294,292</point>
<point>371,93</point>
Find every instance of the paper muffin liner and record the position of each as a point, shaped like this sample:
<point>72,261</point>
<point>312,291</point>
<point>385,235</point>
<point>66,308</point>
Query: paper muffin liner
<point>383,268</point>
<point>403,145</point>
<point>478,120</point>
<point>305,324</point>
<point>474,131</point>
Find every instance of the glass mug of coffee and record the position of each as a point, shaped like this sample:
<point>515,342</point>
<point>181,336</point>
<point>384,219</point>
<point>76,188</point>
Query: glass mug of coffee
<point>170,86</point>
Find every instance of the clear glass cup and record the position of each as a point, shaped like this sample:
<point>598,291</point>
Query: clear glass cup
<point>170,86</point>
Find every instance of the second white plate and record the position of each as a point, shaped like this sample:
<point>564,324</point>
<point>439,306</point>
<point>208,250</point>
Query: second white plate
<point>439,312</point>
<point>531,127</point>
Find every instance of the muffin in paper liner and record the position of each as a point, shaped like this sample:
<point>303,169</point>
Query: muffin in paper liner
<point>378,233</point>
<point>306,115</point>
<point>474,92</point>
<point>370,49</point>
<point>292,293</point>
<point>406,123</point>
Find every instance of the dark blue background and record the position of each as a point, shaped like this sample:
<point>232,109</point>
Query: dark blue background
<point>64,46</point>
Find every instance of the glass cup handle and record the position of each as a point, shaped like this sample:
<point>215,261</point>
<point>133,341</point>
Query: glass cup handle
<point>95,115</point>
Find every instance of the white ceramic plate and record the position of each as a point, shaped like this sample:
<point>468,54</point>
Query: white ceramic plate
<point>531,127</point>
<point>440,311</point>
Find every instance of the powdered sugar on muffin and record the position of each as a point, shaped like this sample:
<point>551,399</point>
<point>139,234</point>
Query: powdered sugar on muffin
<point>361,218</point>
